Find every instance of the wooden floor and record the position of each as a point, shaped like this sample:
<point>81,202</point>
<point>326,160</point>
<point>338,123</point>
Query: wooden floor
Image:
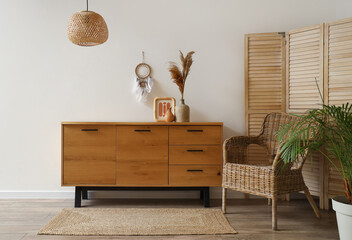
<point>21,219</point>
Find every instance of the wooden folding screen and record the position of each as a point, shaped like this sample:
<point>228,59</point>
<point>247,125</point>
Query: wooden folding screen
<point>321,53</point>
<point>304,64</point>
<point>264,83</point>
<point>337,84</point>
<point>304,80</point>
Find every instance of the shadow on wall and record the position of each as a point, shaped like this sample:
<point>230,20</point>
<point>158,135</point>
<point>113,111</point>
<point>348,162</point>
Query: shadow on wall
<point>228,132</point>
<point>196,115</point>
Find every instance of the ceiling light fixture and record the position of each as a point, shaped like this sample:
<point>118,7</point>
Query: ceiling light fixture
<point>87,28</point>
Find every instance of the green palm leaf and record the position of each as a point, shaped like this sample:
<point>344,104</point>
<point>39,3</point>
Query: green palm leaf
<point>327,130</point>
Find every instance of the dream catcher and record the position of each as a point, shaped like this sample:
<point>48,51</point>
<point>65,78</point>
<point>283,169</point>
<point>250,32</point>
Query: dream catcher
<point>144,82</point>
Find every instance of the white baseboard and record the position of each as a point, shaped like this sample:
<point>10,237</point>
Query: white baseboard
<point>37,194</point>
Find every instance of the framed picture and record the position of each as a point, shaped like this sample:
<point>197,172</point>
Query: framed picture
<point>161,105</point>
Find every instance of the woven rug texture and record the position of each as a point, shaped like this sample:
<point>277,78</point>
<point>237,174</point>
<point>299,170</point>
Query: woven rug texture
<point>137,221</point>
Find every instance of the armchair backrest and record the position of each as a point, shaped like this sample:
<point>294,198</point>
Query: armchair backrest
<point>271,125</point>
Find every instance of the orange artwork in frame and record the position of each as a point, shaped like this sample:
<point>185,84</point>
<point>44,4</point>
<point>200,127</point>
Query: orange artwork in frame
<point>161,105</point>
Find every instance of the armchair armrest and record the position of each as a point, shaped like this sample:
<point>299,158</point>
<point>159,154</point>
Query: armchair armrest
<point>280,167</point>
<point>234,148</point>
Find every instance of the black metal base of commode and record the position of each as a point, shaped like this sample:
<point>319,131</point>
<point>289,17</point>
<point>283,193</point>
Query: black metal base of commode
<point>82,192</point>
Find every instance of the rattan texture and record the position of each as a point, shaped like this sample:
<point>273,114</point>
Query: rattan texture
<point>269,179</point>
<point>87,28</point>
<point>137,222</point>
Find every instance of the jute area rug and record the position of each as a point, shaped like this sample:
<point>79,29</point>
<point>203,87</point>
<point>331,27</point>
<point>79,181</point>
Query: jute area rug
<point>137,221</point>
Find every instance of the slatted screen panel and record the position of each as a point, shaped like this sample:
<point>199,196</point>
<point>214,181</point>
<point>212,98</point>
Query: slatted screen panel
<point>312,173</point>
<point>338,81</point>
<point>264,80</point>
<point>304,63</point>
<point>335,185</point>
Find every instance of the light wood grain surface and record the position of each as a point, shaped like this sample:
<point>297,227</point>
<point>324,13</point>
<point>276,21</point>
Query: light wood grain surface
<point>304,63</point>
<point>194,175</point>
<point>337,87</point>
<point>142,157</point>
<point>89,156</point>
<point>22,219</point>
<point>194,135</point>
<point>145,123</point>
<point>264,83</point>
<point>195,154</point>
<point>129,154</point>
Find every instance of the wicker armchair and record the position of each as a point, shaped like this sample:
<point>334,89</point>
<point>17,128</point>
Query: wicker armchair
<point>270,180</point>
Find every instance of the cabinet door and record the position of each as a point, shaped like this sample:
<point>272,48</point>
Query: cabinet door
<point>142,155</point>
<point>89,155</point>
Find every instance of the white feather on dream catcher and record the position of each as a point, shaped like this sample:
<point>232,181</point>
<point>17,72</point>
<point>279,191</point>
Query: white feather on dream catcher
<point>143,82</point>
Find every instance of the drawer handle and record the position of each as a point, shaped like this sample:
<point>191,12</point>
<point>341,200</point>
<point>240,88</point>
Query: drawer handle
<point>194,170</point>
<point>194,130</point>
<point>194,150</point>
<point>89,130</point>
<point>142,130</point>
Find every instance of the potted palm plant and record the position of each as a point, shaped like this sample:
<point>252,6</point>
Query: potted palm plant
<point>329,131</point>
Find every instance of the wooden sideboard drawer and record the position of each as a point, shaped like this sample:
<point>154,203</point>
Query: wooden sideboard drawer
<point>142,155</point>
<point>183,135</point>
<point>194,175</point>
<point>195,154</point>
<point>89,154</point>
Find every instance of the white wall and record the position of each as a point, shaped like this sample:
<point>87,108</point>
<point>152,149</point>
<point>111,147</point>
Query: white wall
<point>45,79</point>
<point>343,9</point>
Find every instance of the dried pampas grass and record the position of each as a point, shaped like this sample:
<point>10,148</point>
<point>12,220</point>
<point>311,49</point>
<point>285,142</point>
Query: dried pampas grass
<point>179,77</point>
<point>176,76</point>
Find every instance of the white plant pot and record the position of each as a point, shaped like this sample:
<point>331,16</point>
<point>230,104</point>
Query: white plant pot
<point>344,216</point>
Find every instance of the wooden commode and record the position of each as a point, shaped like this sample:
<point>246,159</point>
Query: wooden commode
<point>141,156</point>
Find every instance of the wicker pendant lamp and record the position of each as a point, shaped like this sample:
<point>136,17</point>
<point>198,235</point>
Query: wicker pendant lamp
<point>87,28</point>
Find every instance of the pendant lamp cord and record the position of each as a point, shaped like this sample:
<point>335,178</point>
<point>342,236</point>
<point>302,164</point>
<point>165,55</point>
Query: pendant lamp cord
<point>87,5</point>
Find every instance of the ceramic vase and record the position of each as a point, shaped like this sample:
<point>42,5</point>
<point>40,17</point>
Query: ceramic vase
<point>169,117</point>
<point>182,112</point>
